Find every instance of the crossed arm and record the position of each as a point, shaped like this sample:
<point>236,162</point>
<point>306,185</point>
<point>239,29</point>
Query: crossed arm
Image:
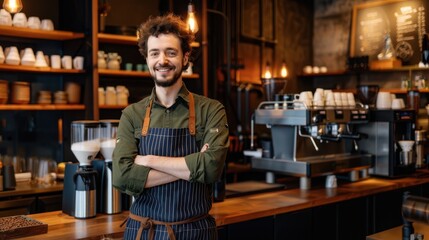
<point>164,169</point>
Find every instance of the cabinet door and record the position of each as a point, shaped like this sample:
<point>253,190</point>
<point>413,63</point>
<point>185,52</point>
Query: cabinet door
<point>21,206</point>
<point>295,225</point>
<point>49,203</point>
<point>261,228</point>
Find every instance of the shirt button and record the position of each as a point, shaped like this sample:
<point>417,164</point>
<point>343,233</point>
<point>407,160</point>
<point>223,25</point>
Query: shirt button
<point>167,111</point>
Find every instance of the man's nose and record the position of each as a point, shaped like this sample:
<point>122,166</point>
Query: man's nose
<point>163,58</point>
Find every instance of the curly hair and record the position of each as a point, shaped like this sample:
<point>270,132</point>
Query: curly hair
<point>169,23</point>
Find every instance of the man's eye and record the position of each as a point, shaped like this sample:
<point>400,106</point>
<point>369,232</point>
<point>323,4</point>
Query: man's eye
<point>171,53</point>
<point>153,54</point>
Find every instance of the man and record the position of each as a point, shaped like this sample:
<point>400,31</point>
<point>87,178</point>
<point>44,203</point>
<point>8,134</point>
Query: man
<point>172,145</point>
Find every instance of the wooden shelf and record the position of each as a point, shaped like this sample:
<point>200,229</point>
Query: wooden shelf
<point>20,68</point>
<point>123,39</point>
<point>112,106</point>
<point>345,72</point>
<point>124,73</point>
<point>39,34</point>
<point>42,107</point>
<point>333,73</point>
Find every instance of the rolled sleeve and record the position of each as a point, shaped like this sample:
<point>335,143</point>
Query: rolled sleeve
<point>127,176</point>
<point>207,167</point>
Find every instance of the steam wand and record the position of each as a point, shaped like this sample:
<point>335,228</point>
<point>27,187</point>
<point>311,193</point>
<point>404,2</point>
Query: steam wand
<point>308,136</point>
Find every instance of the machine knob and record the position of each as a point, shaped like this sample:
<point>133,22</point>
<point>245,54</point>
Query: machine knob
<point>318,118</point>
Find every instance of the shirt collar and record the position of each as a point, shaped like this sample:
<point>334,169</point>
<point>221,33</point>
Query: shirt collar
<point>183,94</point>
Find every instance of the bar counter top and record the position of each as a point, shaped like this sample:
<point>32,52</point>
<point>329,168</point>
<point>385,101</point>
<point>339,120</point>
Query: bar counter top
<point>232,210</point>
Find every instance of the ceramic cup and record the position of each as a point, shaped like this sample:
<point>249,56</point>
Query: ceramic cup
<point>2,57</point>
<point>19,20</point>
<point>12,56</point>
<point>47,24</point>
<point>66,62</point>
<point>33,22</point>
<point>5,18</point>
<point>398,103</point>
<point>78,62</point>
<point>40,60</point>
<point>384,100</point>
<point>28,57</point>
<point>56,61</point>
<point>308,69</point>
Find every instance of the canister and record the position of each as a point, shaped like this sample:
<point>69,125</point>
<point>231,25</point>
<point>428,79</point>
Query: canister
<point>20,92</point>
<point>3,91</point>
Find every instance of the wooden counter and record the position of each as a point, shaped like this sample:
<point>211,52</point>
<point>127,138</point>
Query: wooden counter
<point>26,188</point>
<point>234,210</point>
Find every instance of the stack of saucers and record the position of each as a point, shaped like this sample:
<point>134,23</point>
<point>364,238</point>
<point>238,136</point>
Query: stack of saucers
<point>44,97</point>
<point>60,97</point>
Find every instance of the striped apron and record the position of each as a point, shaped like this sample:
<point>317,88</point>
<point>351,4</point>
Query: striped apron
<point>177,210</point>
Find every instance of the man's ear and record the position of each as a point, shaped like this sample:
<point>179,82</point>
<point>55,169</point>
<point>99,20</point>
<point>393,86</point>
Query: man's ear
<point>185,58</point>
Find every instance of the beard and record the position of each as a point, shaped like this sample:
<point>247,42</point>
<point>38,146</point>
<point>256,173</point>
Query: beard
<point>168,83</point>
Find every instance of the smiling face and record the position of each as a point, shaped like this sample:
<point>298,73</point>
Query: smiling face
<point>165,59</point>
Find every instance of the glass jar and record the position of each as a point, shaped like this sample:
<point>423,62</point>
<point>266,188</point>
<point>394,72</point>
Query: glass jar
<point>122,95</point>
<point>110,95</point>
<point>101,96</point>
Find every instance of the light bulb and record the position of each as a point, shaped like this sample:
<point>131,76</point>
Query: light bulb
<point>192,21</point>
<point>267,73</point>
<point>283,71</point>
<point>12,6</point>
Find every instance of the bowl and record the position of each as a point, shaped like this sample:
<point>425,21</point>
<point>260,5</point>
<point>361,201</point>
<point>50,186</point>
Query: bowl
<point>406,145</point>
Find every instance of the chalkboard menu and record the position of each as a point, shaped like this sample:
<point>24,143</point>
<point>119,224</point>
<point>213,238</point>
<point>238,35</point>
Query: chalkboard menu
<point>404,20</point>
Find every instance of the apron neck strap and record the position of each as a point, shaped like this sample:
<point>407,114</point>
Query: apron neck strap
<point>191,121</point>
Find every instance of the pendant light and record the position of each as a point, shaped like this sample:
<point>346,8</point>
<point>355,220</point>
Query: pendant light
<point>192,20</point>
<point>12,6</point>
<point>267,73</point>
<point>283,70</point>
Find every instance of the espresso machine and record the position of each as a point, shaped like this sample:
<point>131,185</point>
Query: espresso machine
<point>79,194</point>
<point>385,130</point>
<point>110,197</point>
<point>310,142</point>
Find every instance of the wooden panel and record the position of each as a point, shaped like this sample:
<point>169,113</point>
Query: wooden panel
<point>39,34</point>
<point>20,68</point>
<point>44,107</point>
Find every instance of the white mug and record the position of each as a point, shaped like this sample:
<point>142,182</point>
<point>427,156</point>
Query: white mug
<point>19,20</point>
<point>2,57</point>
<point>66,62</point>
<point>78,62</point>
<point>5,18</point>
<point>47,24</point>
<point>33,22</point>
<point>40,59</point>
<point>398,103</point>
<point>56,61</point>
<point>384,100</point>
<point>28,58</point>
<point>12,56</point>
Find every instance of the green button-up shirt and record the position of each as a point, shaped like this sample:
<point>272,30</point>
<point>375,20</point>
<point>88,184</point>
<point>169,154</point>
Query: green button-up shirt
<point>211,127</point>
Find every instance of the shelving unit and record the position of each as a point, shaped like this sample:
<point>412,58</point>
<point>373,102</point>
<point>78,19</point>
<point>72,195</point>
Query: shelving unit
<point>42,130</point>
<point>41,107</point>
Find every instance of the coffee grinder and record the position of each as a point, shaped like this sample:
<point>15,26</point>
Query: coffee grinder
<point>110,197</point>
<point>385,130</point>
<point>79,194</point>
